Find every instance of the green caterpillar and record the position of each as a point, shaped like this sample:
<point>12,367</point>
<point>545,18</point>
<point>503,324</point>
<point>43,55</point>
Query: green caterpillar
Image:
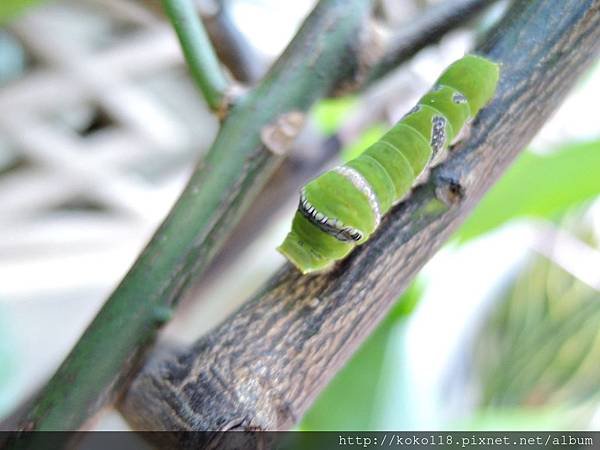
<point>342,208</point>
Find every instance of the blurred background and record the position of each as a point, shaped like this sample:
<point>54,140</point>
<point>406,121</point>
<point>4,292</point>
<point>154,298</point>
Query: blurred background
<point>100,126</point>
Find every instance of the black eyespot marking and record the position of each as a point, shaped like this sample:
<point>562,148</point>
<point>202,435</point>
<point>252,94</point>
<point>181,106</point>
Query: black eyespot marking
<point>438,133</point>
<point>413,110</point>
<point>459,99</point>
<point>330,226</point>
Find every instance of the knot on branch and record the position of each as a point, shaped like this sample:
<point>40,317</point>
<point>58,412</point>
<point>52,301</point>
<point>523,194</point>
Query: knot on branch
<point>231,97</point>
<point>449,190</point>
<point>279,136</point>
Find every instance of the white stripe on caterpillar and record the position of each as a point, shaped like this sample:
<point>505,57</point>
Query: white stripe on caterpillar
<point>363,186</point>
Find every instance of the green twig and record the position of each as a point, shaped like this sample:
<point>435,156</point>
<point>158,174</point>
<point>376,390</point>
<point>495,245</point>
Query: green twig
<point>198,51</point>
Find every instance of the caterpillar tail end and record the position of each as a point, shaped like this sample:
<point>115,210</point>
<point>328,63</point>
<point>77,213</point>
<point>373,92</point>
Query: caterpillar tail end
<point>296,252</point>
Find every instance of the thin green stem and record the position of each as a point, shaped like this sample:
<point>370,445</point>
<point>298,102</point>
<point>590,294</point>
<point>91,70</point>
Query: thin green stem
<point>198,51</point>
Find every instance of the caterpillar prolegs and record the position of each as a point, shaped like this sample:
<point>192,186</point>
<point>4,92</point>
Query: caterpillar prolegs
<point>343,207</point>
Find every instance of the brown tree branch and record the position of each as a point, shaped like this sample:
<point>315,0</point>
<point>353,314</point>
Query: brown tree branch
<point>244,62</point>
<point>263,366</point>
<point>425,30</point>
<point>233,49</point>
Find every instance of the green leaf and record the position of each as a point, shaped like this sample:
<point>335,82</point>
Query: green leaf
<point>519,419</point>
<point>11,8</point>
<point>353,398</point>
<point>368,138</point>
<point>538,186</point>
<point>330,113</point>
<point>540,346</point>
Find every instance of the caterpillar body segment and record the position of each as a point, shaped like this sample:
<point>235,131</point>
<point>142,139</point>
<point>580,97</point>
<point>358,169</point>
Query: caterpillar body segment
<point>372,173</point>
<point>452,104</point>
<point>474,77</point>
<point>411,144</point>
<point>343,207</point>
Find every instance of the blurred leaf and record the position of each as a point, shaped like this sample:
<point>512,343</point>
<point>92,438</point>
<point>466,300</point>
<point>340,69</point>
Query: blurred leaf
<point>519,419</point>
<point>11,8</point>
<point>368,138</point>
<point>540,347</point>
<point>351,399</point>
<point>330,113</point>
<point>538,186</point>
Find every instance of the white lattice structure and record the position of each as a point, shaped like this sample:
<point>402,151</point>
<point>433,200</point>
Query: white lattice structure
<point>87,123</point>
<point>97,138</point>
